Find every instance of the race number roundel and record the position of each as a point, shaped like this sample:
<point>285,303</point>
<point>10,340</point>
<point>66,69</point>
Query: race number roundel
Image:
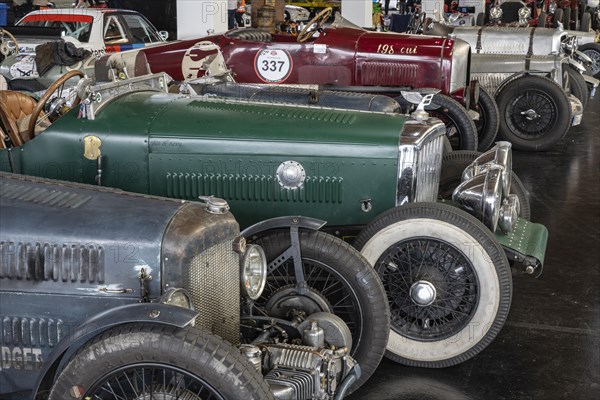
<point>273,66</point>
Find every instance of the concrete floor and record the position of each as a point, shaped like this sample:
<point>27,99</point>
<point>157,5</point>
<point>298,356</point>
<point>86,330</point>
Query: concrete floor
<point>550,345</point>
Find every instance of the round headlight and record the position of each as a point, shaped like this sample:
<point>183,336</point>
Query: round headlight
<point>254,272</point>
<point>524,12</point>
<point>481,196</point>
<point>496,12</point>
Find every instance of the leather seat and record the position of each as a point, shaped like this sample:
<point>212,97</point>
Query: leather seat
<point>15,111</point>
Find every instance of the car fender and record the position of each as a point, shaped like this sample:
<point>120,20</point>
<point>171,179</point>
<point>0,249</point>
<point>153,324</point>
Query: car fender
<point>577,64</point>
<point>141,313</point>
<point>283,222</point>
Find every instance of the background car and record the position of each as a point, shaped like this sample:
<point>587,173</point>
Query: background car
<point>145,285</point>
<point>375,175</point>
<point>100,31</point>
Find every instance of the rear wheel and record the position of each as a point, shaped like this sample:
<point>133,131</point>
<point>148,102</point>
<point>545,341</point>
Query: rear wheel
<point>592,50</point>
<point>488,123</point>
<point>151,361</point>
<point>542,20</point>
<point>535,113</point>
<point>460,128</point>
<point>567,18</point>
<point>586,22</point>
<point>577,85</point>
<point>338,280</point>
<point>447,278</point>
<point>558,17</point>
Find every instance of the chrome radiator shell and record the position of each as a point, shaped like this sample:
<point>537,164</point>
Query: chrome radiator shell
<point>420,153</point>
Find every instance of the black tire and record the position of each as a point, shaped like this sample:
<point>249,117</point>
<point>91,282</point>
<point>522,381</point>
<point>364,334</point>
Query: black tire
<point>460,128</point>
<point>480,21</point>
<point>488,123</point>
<point>453,165</point>
<point>474,278</point>
<point>592,50</point>
<point>549,122</point>
<point>335,271</point>
<point>567,18</point>
<point>578,85</point>
<point>542,20</point>
<point>185,355</point>
<point>586,22</point>
<point>558,17</point>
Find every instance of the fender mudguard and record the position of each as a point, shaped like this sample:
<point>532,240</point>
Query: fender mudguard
<point>283,222</point>
<point>154,313</point>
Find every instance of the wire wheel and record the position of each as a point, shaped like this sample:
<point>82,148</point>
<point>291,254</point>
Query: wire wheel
<point>432,287</point>
<point>531,114</point>
<point>151,381</point>
<point>327,291</point>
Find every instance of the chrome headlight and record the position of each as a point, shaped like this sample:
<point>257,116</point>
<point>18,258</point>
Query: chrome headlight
<point>499,156</point>
<point>253,272</point>
<point>177,297</point>
<point>495,12</point>
<point>524,12</point>
<point>481,196</point>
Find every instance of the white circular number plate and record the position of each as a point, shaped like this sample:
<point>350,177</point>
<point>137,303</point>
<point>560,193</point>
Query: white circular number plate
<point>273,66</point>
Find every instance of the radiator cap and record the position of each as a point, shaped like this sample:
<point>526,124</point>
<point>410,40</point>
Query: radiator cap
<point>215,205</point>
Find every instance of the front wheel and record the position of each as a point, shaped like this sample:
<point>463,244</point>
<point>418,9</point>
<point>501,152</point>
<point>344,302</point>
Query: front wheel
<point>460,128</point>
<point>338,280</point>
<point>488,123</point>
<point>159,362</point>
<point>535,113</point>
<point>447,278</point>
<point>592,50</point>
<point>578,85</point>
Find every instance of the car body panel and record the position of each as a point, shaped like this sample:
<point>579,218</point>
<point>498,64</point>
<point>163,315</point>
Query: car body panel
<point>343,55</point>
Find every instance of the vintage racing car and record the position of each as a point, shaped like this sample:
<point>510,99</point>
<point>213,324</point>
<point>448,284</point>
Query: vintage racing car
<point>538,86</point>
<point>100,31</point>
<point>375,175</point>
<point>350,58</point>
<point>122,296</point>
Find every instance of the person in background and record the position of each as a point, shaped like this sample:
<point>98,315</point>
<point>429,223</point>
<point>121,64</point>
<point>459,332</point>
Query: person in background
<point>232,5</point>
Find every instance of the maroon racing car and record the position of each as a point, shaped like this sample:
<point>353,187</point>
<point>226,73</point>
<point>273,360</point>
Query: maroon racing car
<point>348,57</point>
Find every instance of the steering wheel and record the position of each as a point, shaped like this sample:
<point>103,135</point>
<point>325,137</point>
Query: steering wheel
<point>319,20</point>
<point>4,50</point>
<point>49,92</point>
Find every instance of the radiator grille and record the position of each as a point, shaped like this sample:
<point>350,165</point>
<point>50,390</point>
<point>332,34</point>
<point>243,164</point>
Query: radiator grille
<point>45,262</point>
<point>387,73</point>
<point>429,165</point>
<point>215,287</point>
<point>320,189</point>
<point>31,332</point>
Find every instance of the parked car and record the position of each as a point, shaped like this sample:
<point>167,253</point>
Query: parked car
<point>291,14</point>
<point>347,57</point>
<point>99,30</point>
<point>139,296</point>
<point>375,175</point>
<point>530,80</point>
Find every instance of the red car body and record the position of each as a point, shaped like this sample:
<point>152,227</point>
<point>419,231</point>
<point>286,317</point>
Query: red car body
<point>341,55</point>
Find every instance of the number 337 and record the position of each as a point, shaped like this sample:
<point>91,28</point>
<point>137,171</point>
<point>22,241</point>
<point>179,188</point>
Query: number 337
<point>272,65</point>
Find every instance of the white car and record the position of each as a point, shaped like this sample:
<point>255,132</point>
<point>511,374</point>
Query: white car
<point>99,30</point>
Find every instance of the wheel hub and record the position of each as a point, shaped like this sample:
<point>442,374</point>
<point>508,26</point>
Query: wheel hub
<point>530,114</point>
<point>288,299</point>
<point>423,293</point>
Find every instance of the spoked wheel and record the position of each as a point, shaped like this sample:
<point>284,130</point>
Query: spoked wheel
<point>535,113</point>
<point>447,279</point>
<point>488,122</point>
<point>334,278</point>
<point>145,362</point>
<point>453,165</point>
<point>460,128</point>
<point>592,50</point>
